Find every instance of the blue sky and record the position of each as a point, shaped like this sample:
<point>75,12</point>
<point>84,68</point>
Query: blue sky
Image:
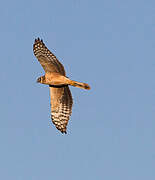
<point>108,44</point>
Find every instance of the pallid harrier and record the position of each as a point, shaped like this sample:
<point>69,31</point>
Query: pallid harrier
<point>55,77</point>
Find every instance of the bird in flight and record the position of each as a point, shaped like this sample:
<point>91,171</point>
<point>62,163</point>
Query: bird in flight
<point>55,77</point>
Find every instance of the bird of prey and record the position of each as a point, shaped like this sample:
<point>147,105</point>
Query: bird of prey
<point>55,77</point>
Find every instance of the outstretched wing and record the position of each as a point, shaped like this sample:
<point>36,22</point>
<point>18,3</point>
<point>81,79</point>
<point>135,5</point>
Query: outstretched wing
<point>46,58</point>
<point>61,107</point>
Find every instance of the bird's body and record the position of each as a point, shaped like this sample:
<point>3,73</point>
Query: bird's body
<point>55,77</point>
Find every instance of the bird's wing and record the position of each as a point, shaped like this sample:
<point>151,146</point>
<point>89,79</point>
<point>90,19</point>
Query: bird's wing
<point>61,106</point>
<point>46,58</point>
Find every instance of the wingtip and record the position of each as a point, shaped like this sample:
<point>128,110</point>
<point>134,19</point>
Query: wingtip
<point>38,39</point>
<point>64,132</point>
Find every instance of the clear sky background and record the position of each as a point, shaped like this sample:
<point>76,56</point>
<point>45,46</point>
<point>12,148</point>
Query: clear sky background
<point>109,44</point>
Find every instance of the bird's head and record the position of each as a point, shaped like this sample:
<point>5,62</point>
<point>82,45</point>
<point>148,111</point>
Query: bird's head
<point>41,79</point>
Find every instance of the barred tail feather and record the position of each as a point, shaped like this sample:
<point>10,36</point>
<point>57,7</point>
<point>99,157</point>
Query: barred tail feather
<point>79,84</point>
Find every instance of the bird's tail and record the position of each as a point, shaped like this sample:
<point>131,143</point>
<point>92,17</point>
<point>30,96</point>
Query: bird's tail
<point>79,84</point>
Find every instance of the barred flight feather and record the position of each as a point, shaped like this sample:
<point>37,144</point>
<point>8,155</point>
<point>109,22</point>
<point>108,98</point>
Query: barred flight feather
<point>60,114</point>
<point>47,59</point>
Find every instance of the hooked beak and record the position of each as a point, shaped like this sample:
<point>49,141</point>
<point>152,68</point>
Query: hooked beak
<point>38,80</point>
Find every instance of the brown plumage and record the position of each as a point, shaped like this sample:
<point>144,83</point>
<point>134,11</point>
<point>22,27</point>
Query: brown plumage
<point>55,77</point>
